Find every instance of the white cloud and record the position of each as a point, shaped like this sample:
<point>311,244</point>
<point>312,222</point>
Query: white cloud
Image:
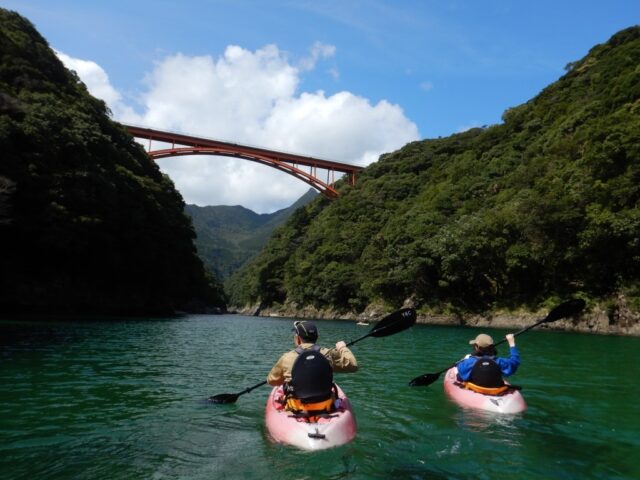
<point>342,127</point>
<point>97,82</point>
<point>464,128</point>
<point>426,86</point>
<point>252,98</point>
<point>318,50</point>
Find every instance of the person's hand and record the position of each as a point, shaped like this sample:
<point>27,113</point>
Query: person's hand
<point>340,345</point>
<point>511,339</point>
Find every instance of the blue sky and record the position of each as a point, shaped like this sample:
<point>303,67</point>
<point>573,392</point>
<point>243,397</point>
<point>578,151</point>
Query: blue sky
<point>344,80</point>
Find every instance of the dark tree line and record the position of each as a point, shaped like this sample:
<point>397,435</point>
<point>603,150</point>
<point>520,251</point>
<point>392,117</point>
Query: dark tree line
<point>541,206</point>
<point>88,223</point>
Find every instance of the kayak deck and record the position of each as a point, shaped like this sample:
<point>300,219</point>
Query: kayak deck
<point>511,401</point>
<point>331,430</point>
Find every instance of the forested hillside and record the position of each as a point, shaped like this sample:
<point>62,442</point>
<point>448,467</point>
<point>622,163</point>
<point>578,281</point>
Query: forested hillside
<point>227,236</point>
<point>541,206</point>
<point>87,222</point>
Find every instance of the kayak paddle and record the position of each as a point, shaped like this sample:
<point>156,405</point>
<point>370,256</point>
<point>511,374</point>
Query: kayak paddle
<point>232,397</point>
<point>566,309</point>
<point>391,324</point>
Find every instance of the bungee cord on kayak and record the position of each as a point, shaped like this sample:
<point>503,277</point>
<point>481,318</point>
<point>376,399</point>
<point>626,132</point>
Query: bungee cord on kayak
<point>308,410</point>
<point>477,380</point>
<point>564,310</point>
<point>314,425</point>
<point>306,372</point>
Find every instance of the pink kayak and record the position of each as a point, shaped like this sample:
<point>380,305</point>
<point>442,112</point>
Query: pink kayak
<point>510,402</point>
<point>335,429</point>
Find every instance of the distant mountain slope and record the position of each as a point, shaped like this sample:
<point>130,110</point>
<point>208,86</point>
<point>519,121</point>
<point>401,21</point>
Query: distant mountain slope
<point>542,206</point>
<point>88,223</point>
<point>227,236</point>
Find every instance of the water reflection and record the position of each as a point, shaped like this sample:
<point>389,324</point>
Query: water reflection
<point>127,400</point>
<point>502,428</point>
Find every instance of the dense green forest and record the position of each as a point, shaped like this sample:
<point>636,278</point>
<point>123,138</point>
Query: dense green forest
<point>541,206</point>
<point>88,223</point>
<point>227,236</point>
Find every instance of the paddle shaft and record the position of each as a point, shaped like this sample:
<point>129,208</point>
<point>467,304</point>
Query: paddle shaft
<point>498,343</point>
<point>356,340</point>
<point>247,390</point>
<point>391,324</point>
<point>524,330</point>
<point>563,310</point>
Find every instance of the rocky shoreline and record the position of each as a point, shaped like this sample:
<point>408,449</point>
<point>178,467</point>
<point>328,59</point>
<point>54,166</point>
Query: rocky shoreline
<point>618,319</point>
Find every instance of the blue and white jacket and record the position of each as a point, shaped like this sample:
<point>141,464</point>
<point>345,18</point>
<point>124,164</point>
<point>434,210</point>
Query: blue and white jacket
<point>508,366</point>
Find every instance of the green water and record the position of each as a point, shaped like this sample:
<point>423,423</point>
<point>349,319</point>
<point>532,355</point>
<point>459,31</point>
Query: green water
<point>125,400</point>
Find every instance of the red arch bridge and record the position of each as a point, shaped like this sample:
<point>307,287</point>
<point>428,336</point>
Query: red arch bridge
<point>285,162</point>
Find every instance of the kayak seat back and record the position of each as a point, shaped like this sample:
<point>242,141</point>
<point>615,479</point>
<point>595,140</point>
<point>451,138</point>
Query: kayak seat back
<point>311,377</point>
<point>486,373</point>
<point>486,390</point>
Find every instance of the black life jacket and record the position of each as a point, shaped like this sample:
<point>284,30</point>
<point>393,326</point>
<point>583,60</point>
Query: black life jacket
<point>486,373</point>
<point>311,376</point>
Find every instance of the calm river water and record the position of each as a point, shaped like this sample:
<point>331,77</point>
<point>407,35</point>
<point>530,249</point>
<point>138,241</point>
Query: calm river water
<point>124,399</point>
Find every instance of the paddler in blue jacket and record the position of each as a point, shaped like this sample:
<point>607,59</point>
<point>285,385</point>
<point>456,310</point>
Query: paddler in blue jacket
<point>488,373</point>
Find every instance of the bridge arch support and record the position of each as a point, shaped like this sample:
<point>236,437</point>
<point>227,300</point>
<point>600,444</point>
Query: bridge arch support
<point>291,164</point>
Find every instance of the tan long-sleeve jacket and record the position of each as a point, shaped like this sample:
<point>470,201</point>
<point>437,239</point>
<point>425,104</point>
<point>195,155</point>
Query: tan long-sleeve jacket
<point>341,360</point>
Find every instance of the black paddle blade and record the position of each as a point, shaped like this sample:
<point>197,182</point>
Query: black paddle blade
<point>395,322</point>
<point>424,380</point>
<point>566,309</point>
<point>224,398</point>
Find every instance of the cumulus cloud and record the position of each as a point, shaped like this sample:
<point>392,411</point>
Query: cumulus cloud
<point>98,84</point>
<point>341,127</point>
<point>253,98</point>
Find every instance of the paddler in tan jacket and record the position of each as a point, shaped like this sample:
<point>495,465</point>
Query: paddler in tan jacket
<point>305,337</point>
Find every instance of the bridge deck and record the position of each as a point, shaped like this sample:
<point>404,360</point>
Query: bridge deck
<point>191,141</point>
<point>286,162</point>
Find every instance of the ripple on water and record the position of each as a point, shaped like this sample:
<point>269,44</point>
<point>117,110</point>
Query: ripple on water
<point>125,399</point>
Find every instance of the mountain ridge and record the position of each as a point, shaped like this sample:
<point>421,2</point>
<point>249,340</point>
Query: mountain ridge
<point>515,215</point>
<point>227,236</point>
